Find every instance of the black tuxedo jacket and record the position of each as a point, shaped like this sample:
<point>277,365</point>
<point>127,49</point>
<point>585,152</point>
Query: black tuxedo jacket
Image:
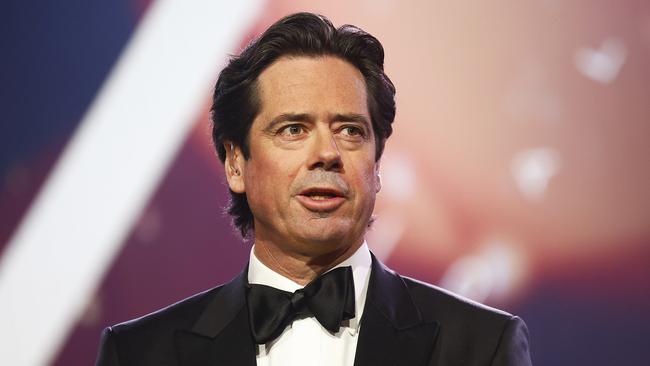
<point>405,322</point>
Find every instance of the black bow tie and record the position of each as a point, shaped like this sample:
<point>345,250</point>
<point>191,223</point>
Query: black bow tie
<point>329,298</point>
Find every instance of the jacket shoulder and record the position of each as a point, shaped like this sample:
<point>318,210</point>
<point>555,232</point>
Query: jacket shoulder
<point>149,340</point>
<point>437,303</point>
<point>180,315</point>
<point>470,332</point>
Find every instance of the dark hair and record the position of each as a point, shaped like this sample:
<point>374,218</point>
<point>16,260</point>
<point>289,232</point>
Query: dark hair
<point>235,102</point>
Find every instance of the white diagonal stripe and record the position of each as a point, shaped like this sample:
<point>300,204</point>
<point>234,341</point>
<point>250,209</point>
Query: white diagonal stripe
<point>113,163</point>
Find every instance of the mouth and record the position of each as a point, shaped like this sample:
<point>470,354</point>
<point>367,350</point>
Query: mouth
<point>321,199</point>
<point>322,193</point>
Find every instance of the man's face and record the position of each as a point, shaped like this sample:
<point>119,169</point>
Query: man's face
<point>311,178</point>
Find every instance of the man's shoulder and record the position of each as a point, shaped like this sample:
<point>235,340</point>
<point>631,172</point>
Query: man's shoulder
<point>180,315</point>
<point>153,338</point>
<point>469,332</point>
<point>453,310</point>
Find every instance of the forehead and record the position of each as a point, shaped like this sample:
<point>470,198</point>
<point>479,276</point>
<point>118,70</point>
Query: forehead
<point>312,85</point>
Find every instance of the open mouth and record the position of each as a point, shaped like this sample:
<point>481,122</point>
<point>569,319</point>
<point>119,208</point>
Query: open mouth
<point>321,199</point>
<point>321,193</point>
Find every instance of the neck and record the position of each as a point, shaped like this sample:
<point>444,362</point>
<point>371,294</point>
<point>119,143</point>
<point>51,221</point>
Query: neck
<point>299,267</point>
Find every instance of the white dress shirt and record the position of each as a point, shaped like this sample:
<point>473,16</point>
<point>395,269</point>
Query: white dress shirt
<point>305,342</point>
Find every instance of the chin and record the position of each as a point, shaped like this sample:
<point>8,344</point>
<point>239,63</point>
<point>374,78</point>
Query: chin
<point>327,236</point>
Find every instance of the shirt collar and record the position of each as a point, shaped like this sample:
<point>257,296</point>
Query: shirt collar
<point>360,261</point>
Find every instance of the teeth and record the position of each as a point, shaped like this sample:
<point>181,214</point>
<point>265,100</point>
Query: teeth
<point>319,198</point>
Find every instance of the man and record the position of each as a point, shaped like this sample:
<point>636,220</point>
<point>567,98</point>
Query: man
<point>300,119</point>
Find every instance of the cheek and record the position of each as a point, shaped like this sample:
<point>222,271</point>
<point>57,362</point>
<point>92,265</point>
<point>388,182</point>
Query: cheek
<point>269,180</point>
<point>366,182</point>
<point>255,184</point>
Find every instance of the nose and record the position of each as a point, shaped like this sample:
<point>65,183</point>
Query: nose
<point>325,153</point>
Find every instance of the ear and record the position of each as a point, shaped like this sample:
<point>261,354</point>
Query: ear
<point>234,166</point>
<point>377,178</point>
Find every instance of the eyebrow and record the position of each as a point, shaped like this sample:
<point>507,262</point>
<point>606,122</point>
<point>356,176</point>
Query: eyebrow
<point>352,117</point>
<point>306,117</point>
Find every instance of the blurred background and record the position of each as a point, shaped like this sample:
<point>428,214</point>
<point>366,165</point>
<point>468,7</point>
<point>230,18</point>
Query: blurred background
<point>518,174</point>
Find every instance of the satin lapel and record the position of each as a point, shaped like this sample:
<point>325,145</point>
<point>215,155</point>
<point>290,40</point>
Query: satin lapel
<point>392,329</point>
<point>221,335</point>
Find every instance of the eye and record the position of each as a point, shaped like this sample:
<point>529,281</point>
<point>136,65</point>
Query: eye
<point>291,130</point>
<point>353,131</point>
